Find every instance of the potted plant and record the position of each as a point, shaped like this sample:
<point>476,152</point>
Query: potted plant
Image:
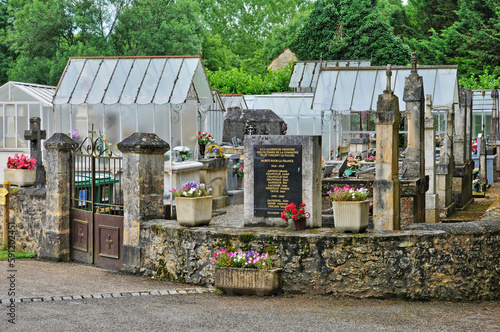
<point>204,138</point>
<point>20,170</point>
<point>246,273</point>
<point>215,151</point>
<point>352,166</point>
<point>193,204</point>
<point>184,152</point>
<point>298,216</point>
<point>350,208</point>
<point>238,170</point>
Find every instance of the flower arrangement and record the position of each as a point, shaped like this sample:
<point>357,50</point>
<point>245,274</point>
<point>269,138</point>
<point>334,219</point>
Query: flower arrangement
<point>475,185</point>
<point>439,140</point>
<point>22,162</point>
<point>75,137</point>
<point>291,212</point>
<point>348,194</point>
<point>370,159</point>
<point>184,152</point>
<point>353,163</point>
<point>251,260</point>
<point>214,148</point>
<point>474,145</point>
<point>192,189</point>
<point>402,154</point>
<point>238,170</point>
<point>204,137</point>
<point>372,152</point>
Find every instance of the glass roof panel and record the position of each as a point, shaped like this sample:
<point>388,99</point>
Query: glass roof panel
<point>201,84</point>
<point>325,90</point>
<point>308,75</point>
<point>134,81</point>
<point>379,87</point>
<point>398,81</point>
<point>84,83</point>
<point>183,83</point>
<point>101,81</point>
<point>117,82</point>
<point>343,94</point>
<point>147,91</point>
<point>68,81</point>
<point>363,93</point>
<point>444,95</point>
<point>298,69</point>
<point>167,81</point>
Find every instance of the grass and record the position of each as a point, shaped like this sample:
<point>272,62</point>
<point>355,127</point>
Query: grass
<point>4,254</point>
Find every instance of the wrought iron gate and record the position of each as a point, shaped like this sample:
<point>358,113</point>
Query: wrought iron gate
<point>96,226</point>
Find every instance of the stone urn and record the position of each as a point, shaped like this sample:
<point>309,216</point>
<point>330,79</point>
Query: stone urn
<point>351,216</point>
<point>19,177</point>
<point>240,281</point>
<point>194,211</point>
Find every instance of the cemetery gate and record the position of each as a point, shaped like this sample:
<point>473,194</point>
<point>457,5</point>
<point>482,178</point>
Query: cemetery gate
<point>96,226</point>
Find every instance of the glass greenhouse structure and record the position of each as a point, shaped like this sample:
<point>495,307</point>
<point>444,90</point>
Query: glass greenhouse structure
<point>347,98</point>
<point>166,95</point>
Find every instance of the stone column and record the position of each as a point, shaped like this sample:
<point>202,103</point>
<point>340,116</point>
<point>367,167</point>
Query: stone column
<point>462,173</point>
<point>55,242</point>
<point>444,170</point>
<point>483,166</point>
<point>431,199</point>
<point>413,184</point>
<point>142,183</point>
<point>386,187</point>
<point>495,132</point>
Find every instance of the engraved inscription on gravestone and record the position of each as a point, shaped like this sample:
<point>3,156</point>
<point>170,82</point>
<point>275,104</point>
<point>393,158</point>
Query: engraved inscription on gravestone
<point>277,178</point>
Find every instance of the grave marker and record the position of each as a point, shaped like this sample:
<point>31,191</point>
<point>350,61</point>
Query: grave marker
<point>35,136</point>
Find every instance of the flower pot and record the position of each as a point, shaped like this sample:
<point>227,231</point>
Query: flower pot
<point>202,150</point>
<point>20,177</point>
<point>240,183</point>
<point>194,211</point>
<point>299,224</point>
<point>351,216</point>
<point>232,280</point>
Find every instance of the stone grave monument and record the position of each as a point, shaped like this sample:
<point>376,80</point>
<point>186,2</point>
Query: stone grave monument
<point>444,169</point>
<point>431,198</point>
<point>280,170</point>
<point>386,187</point>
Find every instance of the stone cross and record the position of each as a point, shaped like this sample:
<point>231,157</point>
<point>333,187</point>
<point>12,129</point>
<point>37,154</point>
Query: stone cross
<point>35,136</point>
<point>388,72</point>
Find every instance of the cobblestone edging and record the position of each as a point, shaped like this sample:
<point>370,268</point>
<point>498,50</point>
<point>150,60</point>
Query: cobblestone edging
<point>109,295</point>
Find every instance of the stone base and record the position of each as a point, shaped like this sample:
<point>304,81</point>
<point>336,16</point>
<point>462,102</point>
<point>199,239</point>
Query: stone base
<point>235,197</point>
<point>462,185</point>
<point>412,202</point>
<point>448,210</point>
<point>55,246</point>
<point>431,208</point>
<point>220,202</point>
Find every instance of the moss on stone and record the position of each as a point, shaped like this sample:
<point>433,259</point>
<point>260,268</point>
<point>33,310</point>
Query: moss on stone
<point>270,249</point>
<point>246,237</point>
<point>157,229</point>
<point>305,249</point>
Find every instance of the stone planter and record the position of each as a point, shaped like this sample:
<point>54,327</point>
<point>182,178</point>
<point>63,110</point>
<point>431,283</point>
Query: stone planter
<point>351,216</point>
<point>20,177</point>
<point>194,211</point>
<point>238,281</point>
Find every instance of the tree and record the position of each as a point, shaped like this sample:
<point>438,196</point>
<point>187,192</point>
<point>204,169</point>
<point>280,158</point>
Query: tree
<point>432,14</point>
<point>343,30</point>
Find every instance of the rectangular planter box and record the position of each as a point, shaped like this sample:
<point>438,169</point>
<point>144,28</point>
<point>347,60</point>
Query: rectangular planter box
<point>351,216</point>
<point>232,280</point>
<point>193,211</point>
<point>20,177</point>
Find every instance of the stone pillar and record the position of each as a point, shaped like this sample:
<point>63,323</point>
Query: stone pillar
<point>462,173</point>
<point>431,199</point>
<point>55,242</point>
<point>495,132</point>
<point>413,184</point>
<point>444,170</point>
<point>386,187</point>
<point>142,183</point>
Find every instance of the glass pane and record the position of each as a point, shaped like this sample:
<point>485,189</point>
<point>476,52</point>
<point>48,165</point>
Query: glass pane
<point>343,92</point>
<point>293,125</point>
<point>162,123</point>
<point>129,120</point>
<point>324,91</point>
<point>189,127</point>
<point>101,81</point>
<point>167,81</point>
<point>2,139</point>
<point>16,94</point>
<point>118,81</point>
<point>298,69</point>
<point>308,75</point>
<point>379,87</point>
<point>446,81</point>
<point>95,117</point>
<point>145,118</point>
<point>79,122</point>
<point>4,92</point>
<point>363,93</point>
<point>112,125</point>
<point>183,83</point>
<point>136,77</point>
<point>22,125</point>
<point>34,110</point>
<point>85,81</point>
<point>151,81</point>
<point>68,81</point>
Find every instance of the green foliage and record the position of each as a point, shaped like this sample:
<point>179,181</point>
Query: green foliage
<point>238,81</point>
<point>344,30</point>
<point>428,15</point>
<point>484,81</point>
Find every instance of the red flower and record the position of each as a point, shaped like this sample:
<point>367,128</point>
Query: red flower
<point>199,132</point>
<point>294,211</point>
<point>301,211</point>
<point>295,216</point>
<point>302,205</point>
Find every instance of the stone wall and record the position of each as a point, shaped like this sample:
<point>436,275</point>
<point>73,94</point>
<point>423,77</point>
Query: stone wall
<point>449,262</point>
<point>27,212</point>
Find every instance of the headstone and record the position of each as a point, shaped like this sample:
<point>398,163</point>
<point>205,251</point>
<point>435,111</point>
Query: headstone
<point>35,136</point>
<point>414,186</point>
<point>386,187</point>
<point>431,198</point>
<point>462,173</point>
<point>239,123</point>
<point>483,167</point>
<point>280,170</point>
